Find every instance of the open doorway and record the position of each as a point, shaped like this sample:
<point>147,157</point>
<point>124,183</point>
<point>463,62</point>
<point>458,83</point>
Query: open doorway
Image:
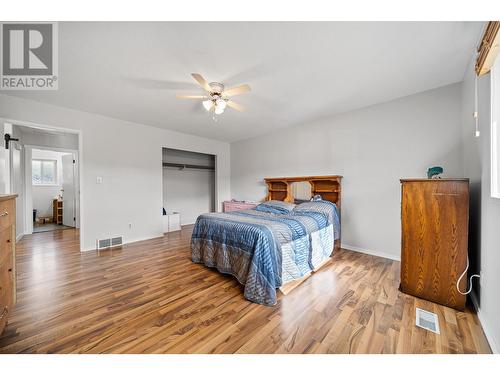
<point>44,173</point>
<point>53,190</point>
<point>188,187</point>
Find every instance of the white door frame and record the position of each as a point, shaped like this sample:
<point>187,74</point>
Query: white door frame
<point>79,161</point>
<point>69,216</point>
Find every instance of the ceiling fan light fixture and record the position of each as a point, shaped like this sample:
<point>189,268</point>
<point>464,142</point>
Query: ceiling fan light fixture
<point>221,103</point>
<point>208,104</point>
<point>219,110</point>
<point>216,97</point>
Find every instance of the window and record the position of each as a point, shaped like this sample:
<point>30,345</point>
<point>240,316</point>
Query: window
<point>495,130</point>
<point>44,172</point>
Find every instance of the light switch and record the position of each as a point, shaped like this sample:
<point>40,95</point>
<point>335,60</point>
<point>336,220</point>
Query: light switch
<point>99,180</point>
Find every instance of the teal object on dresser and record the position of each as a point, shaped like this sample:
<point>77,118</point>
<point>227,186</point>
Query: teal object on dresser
<point>434,171</point>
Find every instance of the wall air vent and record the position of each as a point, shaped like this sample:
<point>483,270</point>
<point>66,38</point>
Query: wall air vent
<point>427,320</point>
<point>117,241</point>
<point>109,242</point>
<point>104,243</point>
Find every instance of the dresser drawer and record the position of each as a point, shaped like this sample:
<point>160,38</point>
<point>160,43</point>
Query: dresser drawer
<point>4,307</point>
<point>7,214</point>
<point>6,247</point>
<point>5,258</point>
<point>6,261</point>
<point>5,287</point>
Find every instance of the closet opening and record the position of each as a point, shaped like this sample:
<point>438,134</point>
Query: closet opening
<point>188,187</point>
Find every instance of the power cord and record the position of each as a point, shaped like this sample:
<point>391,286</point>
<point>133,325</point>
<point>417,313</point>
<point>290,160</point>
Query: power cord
<point>470,280</point>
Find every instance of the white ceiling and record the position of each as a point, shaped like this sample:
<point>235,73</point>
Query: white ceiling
<point>299,72</point>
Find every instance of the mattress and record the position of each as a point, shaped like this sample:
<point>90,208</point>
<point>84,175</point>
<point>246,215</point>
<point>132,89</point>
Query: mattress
<point>265,250</point>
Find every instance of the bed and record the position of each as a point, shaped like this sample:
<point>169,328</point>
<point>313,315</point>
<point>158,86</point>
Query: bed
<point>274,245</point>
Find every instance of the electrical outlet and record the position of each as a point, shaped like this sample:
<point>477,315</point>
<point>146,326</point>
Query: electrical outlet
<point>129,225</point>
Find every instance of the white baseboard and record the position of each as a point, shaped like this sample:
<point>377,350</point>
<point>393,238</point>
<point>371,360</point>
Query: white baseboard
<point>495,348</point>
<point>19,237</point>
<point>371,252</point>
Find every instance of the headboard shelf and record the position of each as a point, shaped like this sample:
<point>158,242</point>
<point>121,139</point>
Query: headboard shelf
<point>329,187</point>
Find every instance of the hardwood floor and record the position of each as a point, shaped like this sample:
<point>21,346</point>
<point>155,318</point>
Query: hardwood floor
<point>148,297</point>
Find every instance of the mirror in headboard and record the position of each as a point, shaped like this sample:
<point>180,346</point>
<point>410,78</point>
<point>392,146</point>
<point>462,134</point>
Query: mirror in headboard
<point>301,191</point>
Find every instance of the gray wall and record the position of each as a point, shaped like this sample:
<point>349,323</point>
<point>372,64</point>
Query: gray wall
<point>372,148</point>
<point>484,244</point>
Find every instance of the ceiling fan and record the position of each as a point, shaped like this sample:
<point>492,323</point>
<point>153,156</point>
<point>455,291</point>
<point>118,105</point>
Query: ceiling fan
<point>217,97</point>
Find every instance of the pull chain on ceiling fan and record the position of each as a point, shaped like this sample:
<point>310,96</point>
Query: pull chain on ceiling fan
<point>217,98</point>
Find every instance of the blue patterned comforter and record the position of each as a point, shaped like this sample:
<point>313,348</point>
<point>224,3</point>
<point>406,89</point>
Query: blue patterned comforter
<point>265,250</point>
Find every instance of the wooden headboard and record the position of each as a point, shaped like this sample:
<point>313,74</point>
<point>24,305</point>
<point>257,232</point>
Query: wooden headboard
<point>329,187</point>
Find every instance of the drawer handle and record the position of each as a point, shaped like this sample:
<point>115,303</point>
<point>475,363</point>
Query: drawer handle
<point>4,214</point>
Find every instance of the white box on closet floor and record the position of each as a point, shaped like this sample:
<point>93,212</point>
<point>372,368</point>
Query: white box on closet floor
<point>171,222</point>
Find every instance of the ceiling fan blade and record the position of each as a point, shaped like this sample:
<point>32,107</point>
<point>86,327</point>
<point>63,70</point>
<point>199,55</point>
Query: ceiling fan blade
<point>235,105</point>
<point>236,90</point>
<point>201,81</point>
<point>179,96</point>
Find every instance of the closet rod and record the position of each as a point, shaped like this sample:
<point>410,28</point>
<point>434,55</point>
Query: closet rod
<point>192,166</point>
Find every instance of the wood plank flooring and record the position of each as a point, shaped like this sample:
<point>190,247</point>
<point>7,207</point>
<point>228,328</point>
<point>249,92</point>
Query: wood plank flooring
<point>148,297</point>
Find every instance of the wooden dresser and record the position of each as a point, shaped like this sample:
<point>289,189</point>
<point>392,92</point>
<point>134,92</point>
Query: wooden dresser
<point>7,256</point>
<point>434,235</point>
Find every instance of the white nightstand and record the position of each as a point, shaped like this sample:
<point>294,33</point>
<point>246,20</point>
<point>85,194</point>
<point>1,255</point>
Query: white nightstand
<point>171,222</point>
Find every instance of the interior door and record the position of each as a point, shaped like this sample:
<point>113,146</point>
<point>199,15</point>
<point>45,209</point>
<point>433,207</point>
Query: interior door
<point>68,185</point>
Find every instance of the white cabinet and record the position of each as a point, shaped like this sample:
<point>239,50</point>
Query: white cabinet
<point>171,222</point>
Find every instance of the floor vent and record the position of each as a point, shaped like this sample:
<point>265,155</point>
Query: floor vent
<point>427,320</point>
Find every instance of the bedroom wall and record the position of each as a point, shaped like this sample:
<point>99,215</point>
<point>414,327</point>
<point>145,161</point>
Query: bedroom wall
<point>128,158</point>
<point>484,238</point>
<point>372,148</point>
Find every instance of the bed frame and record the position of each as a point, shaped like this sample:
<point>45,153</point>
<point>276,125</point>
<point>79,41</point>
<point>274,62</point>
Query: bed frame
<point>330,189</point>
